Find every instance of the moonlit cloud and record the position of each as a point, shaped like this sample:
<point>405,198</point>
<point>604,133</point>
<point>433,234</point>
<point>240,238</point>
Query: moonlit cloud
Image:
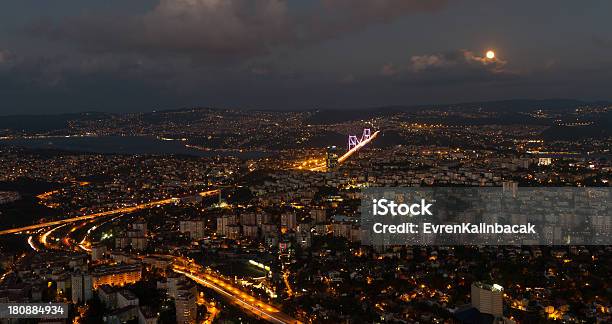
<point>461,58</point>
<point>452,61</point>
<point>495,64</point>
<point>423,62</point>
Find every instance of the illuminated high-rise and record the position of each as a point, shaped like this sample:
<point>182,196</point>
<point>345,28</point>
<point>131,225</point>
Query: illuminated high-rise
<point>487,298</point>
<point>331,162</point>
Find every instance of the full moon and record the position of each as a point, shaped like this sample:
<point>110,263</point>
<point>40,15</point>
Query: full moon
<point>490,55</point>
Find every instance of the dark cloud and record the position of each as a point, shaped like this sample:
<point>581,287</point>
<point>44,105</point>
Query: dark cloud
<point>6,56</point>
<point>288,54</point>
<point>389,70</point>
<point>603,42</point>
<point>341,16</point>
<point>210,28</point>
<point>224,29</point>
<point>376,11</point>
<point>53,85</point>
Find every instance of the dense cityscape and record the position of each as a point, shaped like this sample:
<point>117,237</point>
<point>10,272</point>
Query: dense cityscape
<point>235,216</point>
<point>293,162</point>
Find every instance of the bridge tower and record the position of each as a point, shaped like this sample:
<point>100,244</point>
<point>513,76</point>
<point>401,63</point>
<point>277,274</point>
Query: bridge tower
<point>366,134</point>
<point>352,142</point>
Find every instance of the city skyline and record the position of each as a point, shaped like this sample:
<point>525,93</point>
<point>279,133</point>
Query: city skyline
<point>294,162</point>
<point>214,215</point>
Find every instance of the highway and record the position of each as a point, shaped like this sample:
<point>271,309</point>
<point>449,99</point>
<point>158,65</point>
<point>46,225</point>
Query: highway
<point>241,299</point>
<point>123,210</point>
<point>226,289</point>
<point>44,239</point>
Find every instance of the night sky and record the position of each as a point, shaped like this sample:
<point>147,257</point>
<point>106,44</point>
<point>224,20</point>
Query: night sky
<point>143,55</point>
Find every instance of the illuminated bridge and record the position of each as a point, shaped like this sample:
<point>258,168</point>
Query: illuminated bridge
<point>354,144</point>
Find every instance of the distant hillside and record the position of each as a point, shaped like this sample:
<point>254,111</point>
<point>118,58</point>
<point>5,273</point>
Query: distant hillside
<point>332,116</point>
<point>44,123</point>
<point>507,112</point>
<point>600,129</point>
<point>523,105</point>
<point>508,109</point>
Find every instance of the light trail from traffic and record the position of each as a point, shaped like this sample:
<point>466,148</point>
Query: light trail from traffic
<point>31,243</point>
<point>225,289</point>
<point>246,302</point>
<point>85,244</point>
<point>349,153</point>
<point>124,210</point>
<point>356,148</point>
<point>45,237</point>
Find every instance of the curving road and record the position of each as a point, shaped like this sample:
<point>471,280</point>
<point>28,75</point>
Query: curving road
<point>123,210</point>
<point>222,287</point>
<point>244,301</point>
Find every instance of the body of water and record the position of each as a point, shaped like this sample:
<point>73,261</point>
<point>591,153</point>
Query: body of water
<point>124,145</point>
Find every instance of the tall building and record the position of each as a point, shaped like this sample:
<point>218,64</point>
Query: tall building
<point>98,250</point>
<point>331,162</point>
<point>87,287</point>
<point>146,315</point>
<point>173,283</point>
<point>510,188</point>
<point>288,221</point>
<point>177,284</point>
<point>263,218</point>
<point>122,242</point>
<point>303,236</point>
<point>82,288</point>
<point>139,243</point>
<point>318,215</point>
<point>186,308</point>
<point>195,228</point>
<point>250,231</point>
<point>126,298</point>
<point>185,301</point>
<point>233,232</point>
<point>342,230</point>
<point>248,219</point>
<point>224,223</point>
<point>77,288</point>
<point>488,299</point>
<point>140,226</point>
<point>108,296</point>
